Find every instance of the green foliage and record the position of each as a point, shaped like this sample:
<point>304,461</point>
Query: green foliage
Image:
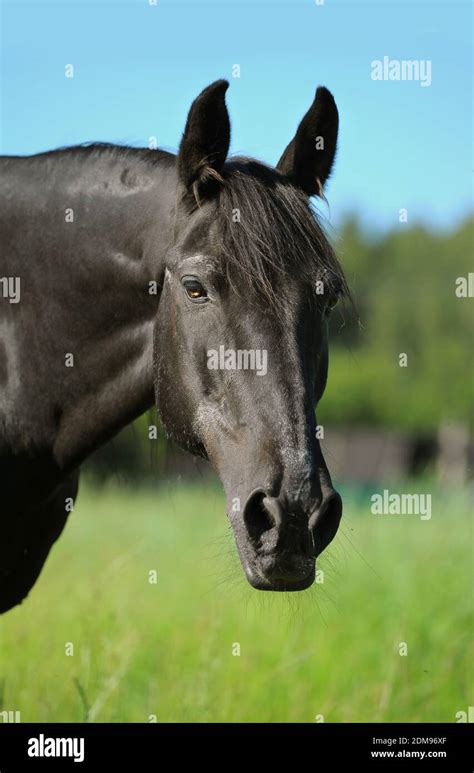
<point>404,288</point>
<point>166,648</point>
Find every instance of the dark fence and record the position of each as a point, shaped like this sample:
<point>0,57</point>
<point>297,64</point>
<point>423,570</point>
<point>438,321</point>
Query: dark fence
<point>358,454</point>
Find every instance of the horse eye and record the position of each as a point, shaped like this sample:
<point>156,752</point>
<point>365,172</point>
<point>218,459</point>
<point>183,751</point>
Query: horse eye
<point>194,290</point>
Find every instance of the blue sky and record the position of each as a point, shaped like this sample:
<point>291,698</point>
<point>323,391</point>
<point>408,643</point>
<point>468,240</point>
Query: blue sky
<point>138,67</point>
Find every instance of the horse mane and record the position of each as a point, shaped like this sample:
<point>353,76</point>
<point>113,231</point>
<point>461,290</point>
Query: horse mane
<point>269,231</point>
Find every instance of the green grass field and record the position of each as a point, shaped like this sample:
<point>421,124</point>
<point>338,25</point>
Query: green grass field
<point>165,649</point>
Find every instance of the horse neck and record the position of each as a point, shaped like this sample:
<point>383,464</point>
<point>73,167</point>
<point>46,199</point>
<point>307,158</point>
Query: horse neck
<point>90,261</point>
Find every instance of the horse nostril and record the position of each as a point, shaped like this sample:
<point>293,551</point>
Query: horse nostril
<point>324,523</point>
<point>257,517</point>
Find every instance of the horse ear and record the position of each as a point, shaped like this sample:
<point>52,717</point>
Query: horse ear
<point>206,139</point>
<point>309,157</point>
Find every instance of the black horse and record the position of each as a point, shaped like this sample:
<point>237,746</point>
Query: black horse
<point>128,275</point>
